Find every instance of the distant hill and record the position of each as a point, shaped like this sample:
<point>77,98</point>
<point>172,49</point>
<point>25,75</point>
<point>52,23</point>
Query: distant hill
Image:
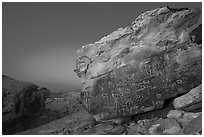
<point>54,87</point>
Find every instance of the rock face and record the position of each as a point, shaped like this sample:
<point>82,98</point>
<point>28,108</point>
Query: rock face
<point>20,99</point>
<point>135,69</point>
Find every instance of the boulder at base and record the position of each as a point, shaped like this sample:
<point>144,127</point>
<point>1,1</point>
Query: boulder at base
<point>134,69</point>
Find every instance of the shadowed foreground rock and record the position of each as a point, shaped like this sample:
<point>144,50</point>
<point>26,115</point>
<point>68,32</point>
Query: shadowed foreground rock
<point>135,69</point>
<point>57,105</point>
<point>20,100</point>
<point>73,124</point>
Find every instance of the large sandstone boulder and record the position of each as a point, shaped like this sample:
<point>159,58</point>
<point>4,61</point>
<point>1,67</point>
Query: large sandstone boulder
<point>19,100</point>
<point>135,69</point>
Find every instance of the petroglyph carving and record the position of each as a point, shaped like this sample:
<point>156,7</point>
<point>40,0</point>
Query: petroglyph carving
<point>135,69</point>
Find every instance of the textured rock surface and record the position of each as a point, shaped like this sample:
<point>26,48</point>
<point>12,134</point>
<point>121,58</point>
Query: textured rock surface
<point>191,98</point>
<point>194,126</point>
<point>20,99</point>
<point>183,117</point>
<point>133,70</point>
<point>165,127</point>
<point>73,124</point>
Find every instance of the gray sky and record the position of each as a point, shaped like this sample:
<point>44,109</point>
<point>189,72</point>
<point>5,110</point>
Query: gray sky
<point>40,39</point>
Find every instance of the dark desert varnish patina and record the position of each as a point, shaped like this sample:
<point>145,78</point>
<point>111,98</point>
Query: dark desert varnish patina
<point>135,69</point>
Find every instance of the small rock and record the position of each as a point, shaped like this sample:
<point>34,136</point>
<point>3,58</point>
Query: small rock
<point>182,117</point>
<point>194,107</point>
<point>189,98</point>
<point>182,114</point>
<point>175,113</point>
<point>167,126</point>
<point>188,115</point>
<point>194,126</point>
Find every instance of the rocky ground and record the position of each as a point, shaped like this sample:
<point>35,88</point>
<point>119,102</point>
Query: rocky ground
<point>170,120</point>
<point>53,106</point>
<point>64,114</point>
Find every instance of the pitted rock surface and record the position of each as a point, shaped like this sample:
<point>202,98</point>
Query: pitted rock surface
<point>133,70</point>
